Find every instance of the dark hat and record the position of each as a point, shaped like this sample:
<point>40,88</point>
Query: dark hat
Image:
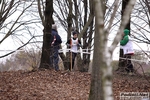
<point>74,32</point>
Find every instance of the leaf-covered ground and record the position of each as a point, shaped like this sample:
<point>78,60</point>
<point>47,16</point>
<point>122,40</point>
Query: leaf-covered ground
<point>51,85</point>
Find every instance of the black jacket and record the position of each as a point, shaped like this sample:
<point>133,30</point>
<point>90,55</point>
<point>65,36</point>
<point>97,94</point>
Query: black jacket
<point>56,39</point>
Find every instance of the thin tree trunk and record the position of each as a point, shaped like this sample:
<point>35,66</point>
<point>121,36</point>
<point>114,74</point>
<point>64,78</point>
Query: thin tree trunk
<point>101,82</point>
<point>96,72</point>
<point>121,65</point>
<point>67,61</point>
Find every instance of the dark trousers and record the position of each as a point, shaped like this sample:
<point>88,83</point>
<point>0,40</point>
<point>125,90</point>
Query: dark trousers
<point>127,61</point>
<point>54,58</point>
<point>73,59</point>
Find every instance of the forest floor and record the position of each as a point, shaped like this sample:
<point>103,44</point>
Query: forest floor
<point>62,85</point>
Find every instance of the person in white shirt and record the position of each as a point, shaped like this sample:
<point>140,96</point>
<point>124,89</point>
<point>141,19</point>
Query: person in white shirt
<point>127,46</point>
<point>74,43</point>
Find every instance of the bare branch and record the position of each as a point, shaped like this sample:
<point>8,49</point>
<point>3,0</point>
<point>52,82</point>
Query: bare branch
<point>124,22</point>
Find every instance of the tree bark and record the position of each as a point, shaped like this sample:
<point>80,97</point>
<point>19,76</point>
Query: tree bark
<point>67,60</point>
<point>101,82</point>
<point>96,72</point>
<point>121,65</point>
<point>46,48</point>
<point>86,34</point>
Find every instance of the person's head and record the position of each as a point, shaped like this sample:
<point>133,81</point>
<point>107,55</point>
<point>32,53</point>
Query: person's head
<point>54,26</point>
<point>75,34</point>
<point>126,32</point>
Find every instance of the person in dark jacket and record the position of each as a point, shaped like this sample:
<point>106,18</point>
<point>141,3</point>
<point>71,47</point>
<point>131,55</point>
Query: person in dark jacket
<point>55,45</point>
<point>74,43</point>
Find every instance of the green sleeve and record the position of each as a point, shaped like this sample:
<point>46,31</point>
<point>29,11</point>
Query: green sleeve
<point>124,41</point>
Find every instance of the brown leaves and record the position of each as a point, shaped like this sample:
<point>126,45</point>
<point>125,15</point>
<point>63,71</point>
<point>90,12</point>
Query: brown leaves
<point>44,85</point>
<point>51,85</point>
<point>129,83</point>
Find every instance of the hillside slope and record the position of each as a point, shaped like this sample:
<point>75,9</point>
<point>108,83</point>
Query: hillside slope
<point>51,85</point>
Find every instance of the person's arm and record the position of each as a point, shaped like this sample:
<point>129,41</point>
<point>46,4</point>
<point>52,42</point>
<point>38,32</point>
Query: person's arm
<point>58,39</point>
<point>68,43</point>
<point>79,43</point>
<point>124,41</point>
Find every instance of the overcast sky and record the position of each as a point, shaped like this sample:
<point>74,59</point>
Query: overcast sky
<point>11,44</point>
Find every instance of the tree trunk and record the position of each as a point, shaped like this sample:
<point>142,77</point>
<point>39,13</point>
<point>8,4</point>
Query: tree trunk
<point>87,32</point>
<point>101,82</point>
<point>46,48</point>
<point>121,65</point>
<point>95,90</point>
<point>67,60</point>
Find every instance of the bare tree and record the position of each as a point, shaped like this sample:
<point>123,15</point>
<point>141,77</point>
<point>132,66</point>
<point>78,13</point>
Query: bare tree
<point>141,22</point>
<point>101,82</point>
<point>18,24</point>
<point>46,49</point>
